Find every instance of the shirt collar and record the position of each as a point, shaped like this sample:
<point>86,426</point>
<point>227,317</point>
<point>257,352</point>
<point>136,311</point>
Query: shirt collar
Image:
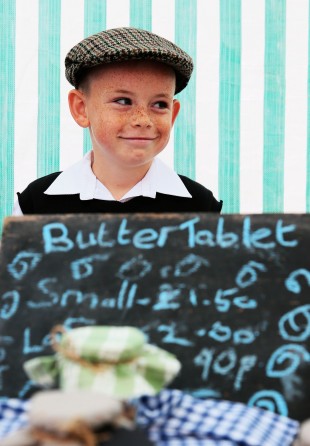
<point>80,179</point>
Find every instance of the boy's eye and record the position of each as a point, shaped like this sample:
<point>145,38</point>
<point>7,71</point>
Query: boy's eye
<point>123,101</point>
<point>161,104</point>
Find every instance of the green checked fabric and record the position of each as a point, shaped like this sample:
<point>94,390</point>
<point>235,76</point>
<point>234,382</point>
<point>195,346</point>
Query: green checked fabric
<point>114,360</point>
<point>102,343</point>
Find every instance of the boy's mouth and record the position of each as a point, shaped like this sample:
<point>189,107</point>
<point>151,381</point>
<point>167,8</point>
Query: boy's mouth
<point>137,138</point>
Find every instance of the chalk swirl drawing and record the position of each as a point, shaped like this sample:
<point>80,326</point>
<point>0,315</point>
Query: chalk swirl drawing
<point>285,360</point>
<point>269,400</point>
<point>292,283</point>
<point>295,325</point>
<point>24,262</point>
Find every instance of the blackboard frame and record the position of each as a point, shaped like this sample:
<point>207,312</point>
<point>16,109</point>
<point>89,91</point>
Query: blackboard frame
<point>227,294</point>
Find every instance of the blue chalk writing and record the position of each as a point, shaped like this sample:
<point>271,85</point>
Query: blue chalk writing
<point>43,286</point>
<point>288,358</point>
<point>189,265</point>
<point>165,271</point>
<point>126,300</point>
<point>80,298</point>
<point>134,269</point>
<point>23,263</point>
<point>281,230</point>
<point>205,393</point>
<point>84,267</point>
<point>253,239</point>
<point>292,283</point>
<point>109,302</point>
<point>295,325</point>
<point>92,240</point>
<point>102,232</point>
<point>171,337</point>
<point>269,400</point>
<point>10,304</point>
<point>123,232</point>
<point>225,240</point>
<point>29,348</point>
<point>190,225</point>
<point>204,359</point>
<point>248,274</point>
<point>56,236</point>
<point>193,297</point>
<point>201,332</point>
<point>244,302</point>
<point>145,301</point>
<point>219,332</point>
<point>53,242</point>
<point>246,364</point>
<point>166,296</point>
<point>163,236</point>
<point>25,389</point>
<point>205,238</point>
<point>225,362</point>
<point>243,336</point>
<point>221,303</point>
<point>145,238</point>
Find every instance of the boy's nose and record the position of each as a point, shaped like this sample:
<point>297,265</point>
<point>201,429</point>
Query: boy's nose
<point>141,118</point>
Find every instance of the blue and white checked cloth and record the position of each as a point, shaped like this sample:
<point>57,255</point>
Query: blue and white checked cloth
<point>173,418</point>
<point>13,415</point>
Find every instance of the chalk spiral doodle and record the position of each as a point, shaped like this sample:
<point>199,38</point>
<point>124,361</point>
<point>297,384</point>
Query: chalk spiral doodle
<point>24,262</point>
<point>292,283</point>
<point>295,325</point>
<point>269,400</point>
<point>287,358</point>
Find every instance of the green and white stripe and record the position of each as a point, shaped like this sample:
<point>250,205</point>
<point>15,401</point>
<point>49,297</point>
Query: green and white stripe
<point>7,98</point>
<point>185,127</point>
<point>141,14</point>
<point>48,121</point>
<point>308,127</point>
<point>229,103</point>
<point>243,129</point>
<point>94,22</point>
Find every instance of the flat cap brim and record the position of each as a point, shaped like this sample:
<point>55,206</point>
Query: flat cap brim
<point>123,44</point>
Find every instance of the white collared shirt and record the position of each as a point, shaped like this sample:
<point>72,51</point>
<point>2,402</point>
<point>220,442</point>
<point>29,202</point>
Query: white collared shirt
<point>80,179</point>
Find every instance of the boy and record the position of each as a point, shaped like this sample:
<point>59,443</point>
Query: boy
<point>125,80</point>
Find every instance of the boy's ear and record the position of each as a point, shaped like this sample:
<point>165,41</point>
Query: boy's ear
<point>175,109</point>
<point>77,107</point>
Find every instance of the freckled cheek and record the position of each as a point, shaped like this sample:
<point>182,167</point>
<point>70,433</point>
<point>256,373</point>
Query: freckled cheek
<point>110,124</point>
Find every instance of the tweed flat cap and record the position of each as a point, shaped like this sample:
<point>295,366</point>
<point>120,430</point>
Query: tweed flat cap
<point>122,44</point>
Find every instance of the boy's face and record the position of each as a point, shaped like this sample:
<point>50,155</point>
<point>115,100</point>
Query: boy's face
<point>129,109</point>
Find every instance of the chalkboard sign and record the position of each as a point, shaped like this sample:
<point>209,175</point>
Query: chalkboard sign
<point>229,295</point>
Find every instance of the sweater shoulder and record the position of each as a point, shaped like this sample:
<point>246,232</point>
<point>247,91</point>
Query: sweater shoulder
<point>42,183</point>
<point>202,195</point>
<point>30,196</point>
